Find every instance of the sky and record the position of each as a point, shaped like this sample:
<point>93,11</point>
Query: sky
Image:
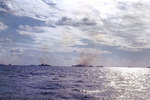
<point>67,32</point>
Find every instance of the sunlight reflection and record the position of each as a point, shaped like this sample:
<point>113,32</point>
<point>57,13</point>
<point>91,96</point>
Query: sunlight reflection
<point>120,83</point>
<point>130,81</point>
<point>91,91</point>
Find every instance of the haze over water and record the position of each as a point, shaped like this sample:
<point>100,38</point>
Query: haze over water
<point>74,83</point>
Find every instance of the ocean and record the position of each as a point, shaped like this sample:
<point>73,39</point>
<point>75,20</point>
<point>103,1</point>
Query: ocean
<point>74,83</point>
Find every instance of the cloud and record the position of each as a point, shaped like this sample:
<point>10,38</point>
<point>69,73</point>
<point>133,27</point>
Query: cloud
<point>115,24</point>
<point>5,5</point>
<point>3,26</point>
<point>49,39</point>
<point>50,3</point>
<point>42,9</point>
<point>129,29</point>
<point>31,29</point>
<point>6,40</point>
<point>123,24</point>
<point>16,51</point>
<point>78,23</point>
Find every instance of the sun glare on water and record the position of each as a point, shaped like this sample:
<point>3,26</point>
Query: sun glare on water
<point>121,83</point>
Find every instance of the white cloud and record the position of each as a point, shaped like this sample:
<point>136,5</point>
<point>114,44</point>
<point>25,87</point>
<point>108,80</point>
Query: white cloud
<point>6,40</point>
<point>52,39</point>
<point>36,8</point>
<point>124,24</point>
<point>3,26</point>
<point>16,51</point>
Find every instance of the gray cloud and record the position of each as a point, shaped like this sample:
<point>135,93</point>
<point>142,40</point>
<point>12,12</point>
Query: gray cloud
<point>132,24</point>
<point>16,51</point>
<point>128,29</point>
<point>42,10</point>
<point>6,40</point>
<point>76,23</point>
<point>50,3</point>
<point>119,25</point>
<point>8,6</point>
<point>3,26</point>
<point>5,5</point>
<point>28,28</point>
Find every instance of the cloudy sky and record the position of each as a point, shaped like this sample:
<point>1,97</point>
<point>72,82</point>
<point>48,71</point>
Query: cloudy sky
<point>66,32</point>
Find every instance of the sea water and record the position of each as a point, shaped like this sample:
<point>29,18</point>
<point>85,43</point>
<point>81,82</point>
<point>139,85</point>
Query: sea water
<point>74,83</point>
